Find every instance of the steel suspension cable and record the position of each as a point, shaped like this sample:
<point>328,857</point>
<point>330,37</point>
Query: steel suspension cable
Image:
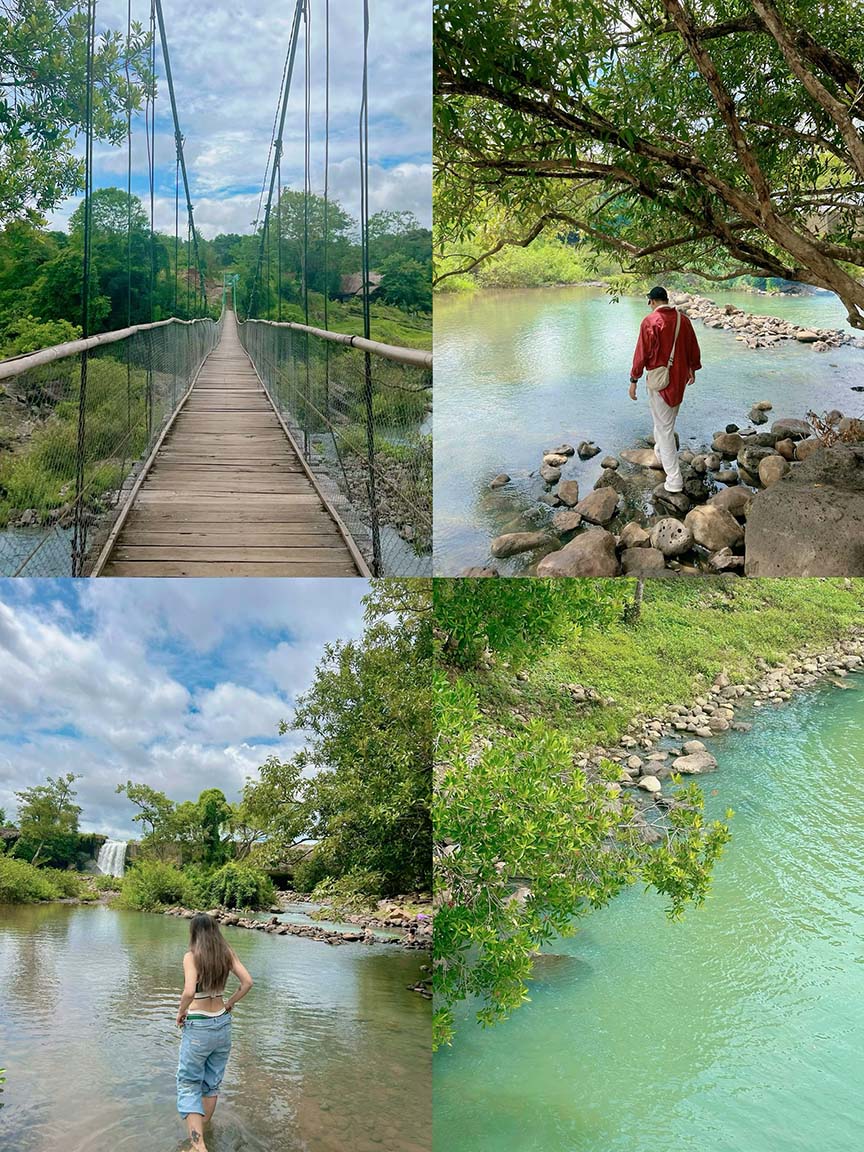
<point>307,193</point>
<point>367,323</point>
<point>178,136</point>
<point>79,529</point>
<point>279,240</point>
<point>283,96</point>
<point>327,172</point>
<point>176,228</point>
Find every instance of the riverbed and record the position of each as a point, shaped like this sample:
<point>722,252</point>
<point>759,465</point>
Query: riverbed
<point>518,372</point>
<point>330,1051</point>
<point>737,1029</point>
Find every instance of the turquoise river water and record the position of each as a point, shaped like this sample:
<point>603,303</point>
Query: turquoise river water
<point>738,1029</point>
<point>518,372</point>
<point>331,1050</point>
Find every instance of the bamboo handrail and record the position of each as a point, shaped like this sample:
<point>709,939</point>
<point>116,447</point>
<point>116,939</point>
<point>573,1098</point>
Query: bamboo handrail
<point>415,357</point>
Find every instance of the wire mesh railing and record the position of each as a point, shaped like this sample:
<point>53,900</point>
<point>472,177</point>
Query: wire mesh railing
<point>73,442</point>
<point>360,412</point>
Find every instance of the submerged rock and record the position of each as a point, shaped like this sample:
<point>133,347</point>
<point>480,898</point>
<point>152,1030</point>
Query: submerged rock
<point>512,543</point>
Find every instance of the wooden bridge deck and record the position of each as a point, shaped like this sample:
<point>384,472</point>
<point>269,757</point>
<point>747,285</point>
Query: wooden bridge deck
<point>227,494</point>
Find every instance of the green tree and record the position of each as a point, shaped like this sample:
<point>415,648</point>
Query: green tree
<point>156,815</point>
<point>406,283</point>
<point>213,813</point>
<point>48,821</point>
<point>721,142</point>
<point>369,726</point>
<point>273,812</point>
<point>43,62</point>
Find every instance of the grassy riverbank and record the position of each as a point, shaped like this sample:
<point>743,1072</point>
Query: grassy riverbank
<point>686,634</point>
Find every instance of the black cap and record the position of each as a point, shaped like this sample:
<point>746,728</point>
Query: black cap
<point>658,293</point>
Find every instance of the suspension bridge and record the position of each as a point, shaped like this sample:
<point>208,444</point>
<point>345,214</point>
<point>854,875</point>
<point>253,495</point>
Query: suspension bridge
<point>214,444</point>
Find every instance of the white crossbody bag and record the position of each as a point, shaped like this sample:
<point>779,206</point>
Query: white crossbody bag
<point>658,378</point>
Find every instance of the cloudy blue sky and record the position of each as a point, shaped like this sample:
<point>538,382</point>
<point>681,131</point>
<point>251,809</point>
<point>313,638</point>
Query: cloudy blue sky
<point>177,683</point>
<point>227,60</point>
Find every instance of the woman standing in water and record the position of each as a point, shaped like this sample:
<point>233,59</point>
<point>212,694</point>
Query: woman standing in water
<point>206,1027</point>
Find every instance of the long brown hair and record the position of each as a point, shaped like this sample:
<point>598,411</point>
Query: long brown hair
<point>213,958</point>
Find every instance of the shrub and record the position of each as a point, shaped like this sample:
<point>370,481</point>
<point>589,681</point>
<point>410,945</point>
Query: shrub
<point>237,886</point>
<point>67,883</point>
<point>106,883</point>
<point>151,885</point>
<point>21,883</point>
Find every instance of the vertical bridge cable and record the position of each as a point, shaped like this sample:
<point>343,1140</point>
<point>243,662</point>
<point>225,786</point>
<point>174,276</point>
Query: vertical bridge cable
<point>279,241</point>
<point>367,324</point>
<point>150,135</point>
<point>178,137</point>
<point>307,193</point>
<point>283,96</point>
<point>79,526</point>
<point>128,227</point>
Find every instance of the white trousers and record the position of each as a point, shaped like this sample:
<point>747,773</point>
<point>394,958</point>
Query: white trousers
<point>664,440</point>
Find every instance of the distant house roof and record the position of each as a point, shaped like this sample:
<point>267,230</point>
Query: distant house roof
<point>353,285</point>
<point>9,833</point>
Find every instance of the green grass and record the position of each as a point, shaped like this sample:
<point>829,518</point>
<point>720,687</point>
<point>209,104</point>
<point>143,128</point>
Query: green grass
<point>687,634</point>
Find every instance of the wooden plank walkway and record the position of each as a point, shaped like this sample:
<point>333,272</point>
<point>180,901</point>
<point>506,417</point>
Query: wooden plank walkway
<point>227,494</point>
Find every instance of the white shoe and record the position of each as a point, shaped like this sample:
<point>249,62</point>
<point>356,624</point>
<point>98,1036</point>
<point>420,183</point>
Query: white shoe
<point>672,491</point>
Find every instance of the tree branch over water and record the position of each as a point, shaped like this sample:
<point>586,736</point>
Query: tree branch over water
<point>745,131</point>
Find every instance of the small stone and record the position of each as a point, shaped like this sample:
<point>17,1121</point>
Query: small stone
<point>633,535</point>
<point>568,492</point>
<point>562,450</point>
<point>772,469</point>
<point>609,462</point>
<point>694,763</point>
<point>500,480</point>
<point>554,460</point>
<point>650,784</point>
<point>549,474</point>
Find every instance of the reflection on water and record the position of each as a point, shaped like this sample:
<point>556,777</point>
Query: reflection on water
<point>330,1049</point>
<point>521,371</point>
<point>738,1029</point>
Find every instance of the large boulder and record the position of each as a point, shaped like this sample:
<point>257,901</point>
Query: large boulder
<point>813,523</point>
<point>735,500</point>
<point>599,506</point>
<point>592,553</point>
<point>642,561</point>
<point>714,528</point>
<point>671,537</point>
<point>512,543</point>
<point>566,521</point>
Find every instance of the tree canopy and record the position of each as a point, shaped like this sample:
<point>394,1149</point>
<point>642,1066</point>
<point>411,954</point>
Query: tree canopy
<point>48,821</point>
<point>723,139</point>
<point>43,67</point>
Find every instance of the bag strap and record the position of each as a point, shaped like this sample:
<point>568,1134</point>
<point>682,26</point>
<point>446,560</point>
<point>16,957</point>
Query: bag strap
<point>675,339</point>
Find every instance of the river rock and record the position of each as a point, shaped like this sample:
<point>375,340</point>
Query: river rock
<point>549,474</point>
<point>562,450</point>
<point>512,543</point>
<point>693,746</point>
<point>671,537</point>
<point>772,469</point>
<point>568,492</point>
<point>726,561</point>
<point>609,462</point>
<point>650,784</point>
<point>500,480</point>
<point>599,506</point>
<point>713,461</point>
<point>587,449</point>
<point>786,448</point>
<point>633,535</point>
<point>642,561</point>
<point>813,523</point>
<point>694,763</point>
<point>566,521</point>
<point>806,336</point>
<point>763,405</point>
<point>726,476</point>
<point>554,460</point>
<point>714,528</point>
<point>851,430</point>
<point>793,429</point>
<point>727,444</point>
<point>678,502</point>
<point>751,456</point>
<point>805,448</point>
<point>734,500</point>
<point>757,416</point>
<point>475,572</point>
<point>641,457</point>
<point>592,553</point>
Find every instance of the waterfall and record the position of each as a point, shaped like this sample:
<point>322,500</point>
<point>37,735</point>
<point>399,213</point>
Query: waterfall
<point>112,858</point>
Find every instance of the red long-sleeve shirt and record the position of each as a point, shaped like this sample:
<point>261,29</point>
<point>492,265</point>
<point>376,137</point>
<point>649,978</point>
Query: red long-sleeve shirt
<point>656,334</point>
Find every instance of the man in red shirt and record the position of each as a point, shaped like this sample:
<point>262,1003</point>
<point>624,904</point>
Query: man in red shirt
<point>654,350</point>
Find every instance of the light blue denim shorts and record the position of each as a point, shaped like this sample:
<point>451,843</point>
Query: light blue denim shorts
<point>204,1053</point>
